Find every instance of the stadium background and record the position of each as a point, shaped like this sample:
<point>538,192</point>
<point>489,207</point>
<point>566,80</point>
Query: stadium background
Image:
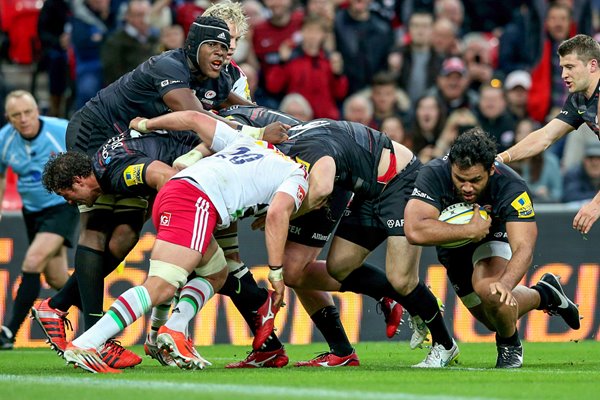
<point>559,249</point>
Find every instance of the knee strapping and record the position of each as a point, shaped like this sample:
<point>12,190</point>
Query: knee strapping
<point>171,273</point>
<point>216,263</point>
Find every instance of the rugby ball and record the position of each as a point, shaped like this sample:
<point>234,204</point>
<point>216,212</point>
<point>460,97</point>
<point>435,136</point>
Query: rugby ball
<point>459,214</point>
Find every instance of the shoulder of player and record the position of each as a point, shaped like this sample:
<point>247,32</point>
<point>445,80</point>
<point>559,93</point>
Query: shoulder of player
<point>505,182</point>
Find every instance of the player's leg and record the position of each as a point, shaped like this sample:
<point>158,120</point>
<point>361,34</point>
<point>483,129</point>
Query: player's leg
<point>56,273</point>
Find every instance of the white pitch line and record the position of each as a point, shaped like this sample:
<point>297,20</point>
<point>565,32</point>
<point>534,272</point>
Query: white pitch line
<point>243,390</point>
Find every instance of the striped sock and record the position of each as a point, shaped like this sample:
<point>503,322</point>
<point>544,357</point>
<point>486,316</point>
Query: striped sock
<point>160,315</point>
<point>193,297</point>
<point>131,305</point>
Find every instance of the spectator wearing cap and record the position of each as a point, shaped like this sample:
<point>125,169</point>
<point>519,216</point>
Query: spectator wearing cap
<point>494,117</point>
<point>516,89</point>
<point>452,86</point>
<point>581,183</point>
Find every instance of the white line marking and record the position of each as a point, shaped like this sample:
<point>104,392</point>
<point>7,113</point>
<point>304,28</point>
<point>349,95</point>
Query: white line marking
<point>256,390</point>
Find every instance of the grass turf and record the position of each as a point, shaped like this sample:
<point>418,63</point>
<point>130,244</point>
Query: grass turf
<point>551,371</point>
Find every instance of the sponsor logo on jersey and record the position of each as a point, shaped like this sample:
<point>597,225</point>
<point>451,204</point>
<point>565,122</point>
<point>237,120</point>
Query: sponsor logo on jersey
<point>395,223</point>
<point>320,236</point>
<point>295,229</point>
<point>165,220</point>
<point>210,94</point>
<point>501,235</point>
<point>305,163</point>
<point>523,206</point>
<point>168,82</point>
<point>133,175</point>
<point>418,193</point>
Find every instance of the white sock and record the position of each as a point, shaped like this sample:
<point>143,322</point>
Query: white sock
<point>160,315</point>
<point>193,297</point>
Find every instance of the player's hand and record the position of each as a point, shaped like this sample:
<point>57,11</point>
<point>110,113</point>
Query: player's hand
<point>276,132</point>
<point>585,218</point>
<point>139,124</point>
<point>505,293</point>
<point>480,227</point>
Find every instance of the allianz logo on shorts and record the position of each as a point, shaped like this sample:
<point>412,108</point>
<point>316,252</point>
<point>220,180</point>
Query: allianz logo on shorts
<point>395,223</point>
<point>165,218</point>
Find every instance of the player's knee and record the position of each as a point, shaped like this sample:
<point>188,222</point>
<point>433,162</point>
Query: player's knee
<point>34,263</point>
<point>292,277</point>
<point>404,283</point>
<point>122,240</point>
<point>56,280</point>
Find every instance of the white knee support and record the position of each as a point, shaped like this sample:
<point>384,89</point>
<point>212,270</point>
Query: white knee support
<point>216,263</point>
<point>171,273</point>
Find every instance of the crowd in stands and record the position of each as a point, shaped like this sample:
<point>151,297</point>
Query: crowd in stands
<point>423,71</point>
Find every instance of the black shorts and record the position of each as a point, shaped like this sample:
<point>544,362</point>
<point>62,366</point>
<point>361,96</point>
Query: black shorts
<point>314,229</point>
<point>369,222</point>
<point>62,219</point>
<point>86,132</point>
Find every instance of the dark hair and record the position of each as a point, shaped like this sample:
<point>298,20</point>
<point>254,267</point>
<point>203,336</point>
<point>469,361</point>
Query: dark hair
<point>416,131</point>
<point>586,48</point>
<point>317,20</point>
<point>384,78</point>
<point>473,147</point>
<point>62,169</point>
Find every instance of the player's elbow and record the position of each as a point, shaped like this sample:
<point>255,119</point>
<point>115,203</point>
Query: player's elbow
<point>413,234</point>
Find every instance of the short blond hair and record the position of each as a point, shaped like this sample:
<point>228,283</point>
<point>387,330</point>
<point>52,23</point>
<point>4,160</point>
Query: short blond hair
<point>229,12</point>
<point>15,94</point>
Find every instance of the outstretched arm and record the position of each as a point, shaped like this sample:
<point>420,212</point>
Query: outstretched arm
<point>536,142</point>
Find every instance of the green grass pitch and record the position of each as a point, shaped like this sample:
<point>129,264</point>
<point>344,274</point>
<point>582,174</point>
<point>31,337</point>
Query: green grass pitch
<point>551,371</point>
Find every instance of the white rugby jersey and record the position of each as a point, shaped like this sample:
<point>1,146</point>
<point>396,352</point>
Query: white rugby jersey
<point>244,176</point>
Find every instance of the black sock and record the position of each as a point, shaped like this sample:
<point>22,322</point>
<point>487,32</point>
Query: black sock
<point>67,296</point>
<point>26,295</point>
<point>327,320</point>
<point>545,297</point>
<point>509,341</point>
<point>89,267</point>
<point>371,281</point>
<point>423,303</point>
<point>247,297</point>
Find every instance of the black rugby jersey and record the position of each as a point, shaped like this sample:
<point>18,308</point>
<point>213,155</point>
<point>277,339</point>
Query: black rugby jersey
<point>120,164</point>
<point>140,92</point>
<point>257,116</point>
<point>506,192</point>
<point>578,110</point>
<point>355,148</point>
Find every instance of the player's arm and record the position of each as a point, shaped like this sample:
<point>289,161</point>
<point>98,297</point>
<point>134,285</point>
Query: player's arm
<point>587,215</point>
<point>276,229</point>
<point>522,236</point>
<point>422,227</point>
<point>158,173</point>
<point>320,184</point>
<point>536,142</point>
<point>183,99</point>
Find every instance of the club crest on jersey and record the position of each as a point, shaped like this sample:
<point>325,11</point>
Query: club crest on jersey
<point>210,94</point>
<point>133,175</point>
<point>301,193</point>
<point>523,206</point>
<point>165,218</point>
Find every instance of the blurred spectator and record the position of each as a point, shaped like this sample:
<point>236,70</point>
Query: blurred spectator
<point>494,117</point>
<point>487,15</point>
<point>161,15</point>
<point>282,27</point>
<point>364,39</point>
<point>477,57</point>
<point>582,182</point>
<point>131,45</point>
<point>428,123</point>
<point>452,86</point>
<point>187,11</point>
<point>458,122</point>
<point>520,42</point>
<point>326,10</point>
<point>394,128</point>
<point>547,86</point>
<point>171,38</point>
<point>541,172</point>
<point>575,146</point>
<point>444,38</point>
<point>297,106</point>
<point>421,64</point>
<point>358,108</point>
<point>255,15</point>
<point>92,22</point>
<point>452,10</point>
<point>516,89</point>
<point>308,71</point>
<point>387,99</point>
<point>55,42</point>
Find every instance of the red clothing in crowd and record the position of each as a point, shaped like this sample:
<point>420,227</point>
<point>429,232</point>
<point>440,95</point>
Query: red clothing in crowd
<point>267,38</point>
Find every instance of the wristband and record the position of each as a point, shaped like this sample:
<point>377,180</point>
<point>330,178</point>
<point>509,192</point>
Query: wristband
<point>142,126</point>
<point>256,133</point>
<point>276,275</point>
